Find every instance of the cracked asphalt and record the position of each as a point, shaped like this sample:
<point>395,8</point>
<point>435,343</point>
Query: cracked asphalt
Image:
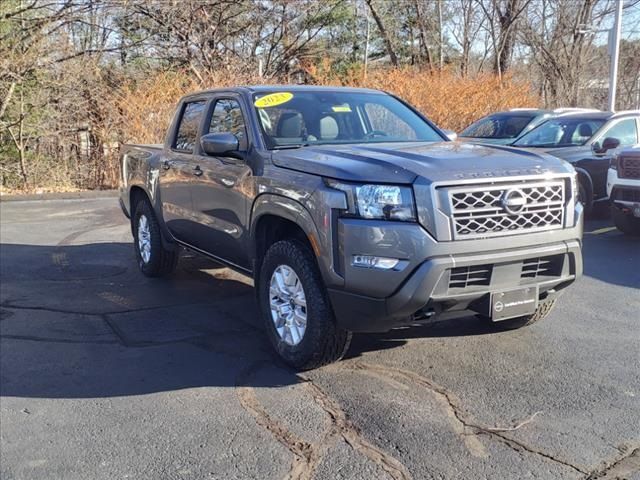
<point>106,374</point>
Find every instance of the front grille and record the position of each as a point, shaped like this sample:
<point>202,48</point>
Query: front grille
<point>542,267</point>
<point>626,194</point>
<point>480,211</point>
<point>463,277</point>
<point>628,167</point>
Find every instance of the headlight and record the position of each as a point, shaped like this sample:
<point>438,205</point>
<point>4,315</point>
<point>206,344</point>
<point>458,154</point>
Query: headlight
<point>384,202</point>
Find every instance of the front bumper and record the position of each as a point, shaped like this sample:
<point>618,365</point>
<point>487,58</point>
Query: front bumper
<point>625,196</point>
<point>429,291</point>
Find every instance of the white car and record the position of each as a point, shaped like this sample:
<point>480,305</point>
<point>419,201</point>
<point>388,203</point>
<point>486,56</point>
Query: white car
<point>623,188</point>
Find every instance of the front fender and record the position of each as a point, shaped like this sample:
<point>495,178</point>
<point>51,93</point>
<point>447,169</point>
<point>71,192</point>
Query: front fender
<point>584,176</point>
<point>294,211</point>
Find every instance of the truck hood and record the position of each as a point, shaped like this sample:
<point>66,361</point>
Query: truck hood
<point>404,162</point>
<point>487,141</point>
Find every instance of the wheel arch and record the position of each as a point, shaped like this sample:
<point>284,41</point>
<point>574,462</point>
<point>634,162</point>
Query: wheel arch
<point>275,217</point>
<point>138,192</point>
<point>584,177</point>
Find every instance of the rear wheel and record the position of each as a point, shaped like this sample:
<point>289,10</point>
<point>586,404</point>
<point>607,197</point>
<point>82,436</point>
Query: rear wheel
<point>153,259</point>
<point>543,310</point>
<point>296,310</point>
<point>626,223</point>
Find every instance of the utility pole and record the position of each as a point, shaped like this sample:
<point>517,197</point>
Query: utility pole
<point>441,32</point>
<point>366,48</point>
<point>614,51</point>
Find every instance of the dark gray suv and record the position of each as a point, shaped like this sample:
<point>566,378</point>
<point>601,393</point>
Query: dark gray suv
<point>353,213</point>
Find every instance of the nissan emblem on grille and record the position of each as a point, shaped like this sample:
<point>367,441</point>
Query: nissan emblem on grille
<point>495,209</point>
<point>513,201</point>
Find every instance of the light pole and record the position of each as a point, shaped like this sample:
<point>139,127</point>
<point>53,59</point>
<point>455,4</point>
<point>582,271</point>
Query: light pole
<point>614,51</point>
<point>613,48</point>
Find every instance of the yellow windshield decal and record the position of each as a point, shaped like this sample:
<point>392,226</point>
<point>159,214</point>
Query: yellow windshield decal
<point>341,108</point>
<point>273,99</point>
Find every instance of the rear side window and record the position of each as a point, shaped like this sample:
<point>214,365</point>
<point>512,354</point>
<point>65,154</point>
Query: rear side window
<point>227,118</point>
<point>188,128</point>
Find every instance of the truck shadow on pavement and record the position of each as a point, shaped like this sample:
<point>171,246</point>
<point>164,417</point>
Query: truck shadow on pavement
<point>80,321</point>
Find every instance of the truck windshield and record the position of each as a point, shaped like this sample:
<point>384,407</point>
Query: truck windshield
<point>561,132</point>
<point>295,119</point>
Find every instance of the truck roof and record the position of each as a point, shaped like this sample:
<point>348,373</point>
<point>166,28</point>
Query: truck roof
<point>288,88</point>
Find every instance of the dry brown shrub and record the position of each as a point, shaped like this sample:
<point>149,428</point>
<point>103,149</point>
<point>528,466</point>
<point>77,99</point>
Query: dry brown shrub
<point>452,101</point>
<point>145,107</point>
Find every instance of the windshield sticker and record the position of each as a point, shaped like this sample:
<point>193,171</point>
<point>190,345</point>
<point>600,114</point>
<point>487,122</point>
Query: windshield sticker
<point>341,108</point>
<point>273,99</point>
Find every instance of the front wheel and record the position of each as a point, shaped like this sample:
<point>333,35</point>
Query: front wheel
<point>543,310</point>
<point>297,314</point>
<point>626,223</point>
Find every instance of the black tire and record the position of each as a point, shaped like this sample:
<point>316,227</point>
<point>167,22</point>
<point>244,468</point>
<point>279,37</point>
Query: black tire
<point>323,342</point>
<point>161,261</point>
<point>626,223</point>
<point>543,310</point>
<point>585,196</point>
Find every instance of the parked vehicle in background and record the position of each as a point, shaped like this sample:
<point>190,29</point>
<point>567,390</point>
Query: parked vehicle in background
<point>587,140</point>
<point>352,213</point>
<point>623,188</point>
<point>503,128</point>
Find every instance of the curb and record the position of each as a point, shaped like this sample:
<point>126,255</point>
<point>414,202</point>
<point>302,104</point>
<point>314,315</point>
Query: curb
<point>60,196</point>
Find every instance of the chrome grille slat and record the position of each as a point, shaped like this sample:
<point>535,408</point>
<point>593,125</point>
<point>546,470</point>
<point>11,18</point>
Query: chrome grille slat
<point>477,211</point>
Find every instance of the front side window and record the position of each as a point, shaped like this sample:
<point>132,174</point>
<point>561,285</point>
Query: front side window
<point>227,118</point>
<point>561,132</point>
<point>188,128</point>
<point>498,126</point>
<point>625,131</point>
<point>318,117</point>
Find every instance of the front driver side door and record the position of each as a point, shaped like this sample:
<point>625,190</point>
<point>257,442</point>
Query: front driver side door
<point>221,191</point>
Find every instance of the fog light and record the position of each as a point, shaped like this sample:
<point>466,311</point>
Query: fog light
<point>379,263</point>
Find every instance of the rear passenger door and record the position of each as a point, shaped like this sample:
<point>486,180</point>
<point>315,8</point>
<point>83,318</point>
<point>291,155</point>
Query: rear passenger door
<point>220,192</point>
<point>177,170</point>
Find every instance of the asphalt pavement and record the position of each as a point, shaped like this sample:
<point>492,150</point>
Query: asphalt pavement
<point>106,374</point>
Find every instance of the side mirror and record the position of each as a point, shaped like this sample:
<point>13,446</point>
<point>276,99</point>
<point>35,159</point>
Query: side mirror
<point>610,143</point>
<point>451,135</point>
<point>219,143</point>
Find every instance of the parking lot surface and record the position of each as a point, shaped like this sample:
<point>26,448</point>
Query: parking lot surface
<point>106,374</point>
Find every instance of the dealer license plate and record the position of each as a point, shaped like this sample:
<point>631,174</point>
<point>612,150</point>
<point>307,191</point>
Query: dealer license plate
<point>513,303</point>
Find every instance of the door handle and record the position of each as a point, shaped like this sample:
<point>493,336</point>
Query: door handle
<point>197,171</point>
<point>166,164</point>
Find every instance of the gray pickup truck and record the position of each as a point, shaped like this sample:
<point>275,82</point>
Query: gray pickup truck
<point>352,212</point>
